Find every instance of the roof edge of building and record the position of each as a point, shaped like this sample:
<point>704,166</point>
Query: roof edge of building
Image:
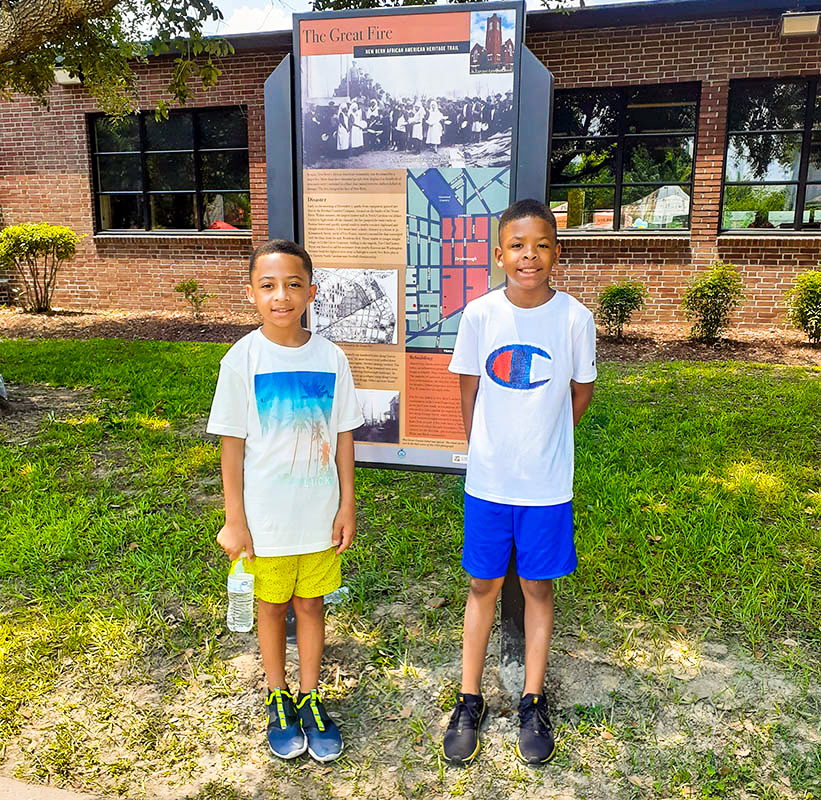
<point>621,15</point>
<point>617,15</point>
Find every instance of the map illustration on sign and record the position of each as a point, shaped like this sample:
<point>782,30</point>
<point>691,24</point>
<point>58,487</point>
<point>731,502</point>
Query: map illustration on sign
<point>355,305</point>
<point>452,223</point>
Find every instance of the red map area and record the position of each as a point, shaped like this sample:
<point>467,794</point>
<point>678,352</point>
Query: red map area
<point>466,249</point>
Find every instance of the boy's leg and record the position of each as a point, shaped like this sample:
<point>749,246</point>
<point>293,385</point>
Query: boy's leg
<point>461,742</point>
<point>536,743</point>
<point>544,549</point>
<point>310,639</point>
<point>486,553</point>
<point>284,732</point>
<point>488,541</point>
<point>318,574</point>
<point>480,611</point>
<point>538,631</point>
<point>271,633</point>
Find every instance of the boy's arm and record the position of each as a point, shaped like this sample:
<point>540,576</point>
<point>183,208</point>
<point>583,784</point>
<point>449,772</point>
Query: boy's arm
<point>345,520</point>
<point>234,536</point>
<point>468,387</point>
<point>580,395</point>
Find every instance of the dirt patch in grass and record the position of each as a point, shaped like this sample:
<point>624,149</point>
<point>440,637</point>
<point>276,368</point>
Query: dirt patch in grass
<point>638,714</point>
<point>642,342</point>
<point>28,405</point>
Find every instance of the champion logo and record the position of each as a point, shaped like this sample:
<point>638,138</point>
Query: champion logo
<point>519,366</point>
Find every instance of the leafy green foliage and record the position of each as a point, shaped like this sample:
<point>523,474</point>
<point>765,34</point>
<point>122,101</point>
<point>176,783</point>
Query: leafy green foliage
<point>103,46</point>
<point>711,299</point>
<point>804,304</point>
<point>617,302</point>
<point>191,291</point>
<point>36,251</point>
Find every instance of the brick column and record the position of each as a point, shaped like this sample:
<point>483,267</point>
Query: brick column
<point>709,171</point>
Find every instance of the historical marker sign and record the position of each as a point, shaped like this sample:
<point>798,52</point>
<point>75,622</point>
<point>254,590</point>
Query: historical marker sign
<point>407,139</point>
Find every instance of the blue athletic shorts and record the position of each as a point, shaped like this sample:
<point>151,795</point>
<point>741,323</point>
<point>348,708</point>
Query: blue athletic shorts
<point>543,536</point>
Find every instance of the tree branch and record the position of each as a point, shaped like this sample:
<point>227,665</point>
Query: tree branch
<point>27,24</point>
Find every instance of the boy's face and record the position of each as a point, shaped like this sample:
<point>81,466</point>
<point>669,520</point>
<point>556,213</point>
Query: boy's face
<point>280,290</point>
<point>527,253</point>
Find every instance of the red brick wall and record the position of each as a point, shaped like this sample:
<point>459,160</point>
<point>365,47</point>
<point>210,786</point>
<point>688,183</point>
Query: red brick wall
<point>712,53</point>
<point>45,174</point>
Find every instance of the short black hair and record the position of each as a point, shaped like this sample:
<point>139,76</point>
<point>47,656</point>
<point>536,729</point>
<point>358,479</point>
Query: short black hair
<point>281,246</point>
<point>528,208</point>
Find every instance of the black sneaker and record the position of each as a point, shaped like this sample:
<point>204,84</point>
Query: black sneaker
<point>536,744</point>
<point>461,742</point>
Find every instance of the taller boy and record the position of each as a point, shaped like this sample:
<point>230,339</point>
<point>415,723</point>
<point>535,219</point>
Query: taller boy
<point>526,359</point>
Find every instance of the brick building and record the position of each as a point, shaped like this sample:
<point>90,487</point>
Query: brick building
<point>683,132</point>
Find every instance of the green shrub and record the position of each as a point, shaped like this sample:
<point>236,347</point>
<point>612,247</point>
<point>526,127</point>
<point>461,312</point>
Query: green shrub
<point>190,289</point>
<point>36,251</point>
<point>710,300</point>
<point>617,302</point>
<point>804,304</point>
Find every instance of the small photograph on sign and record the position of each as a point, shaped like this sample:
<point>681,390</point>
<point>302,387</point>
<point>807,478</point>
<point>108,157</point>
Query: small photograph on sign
<point>355,305</point>
<point>492,37</point>
<point>380,407</point>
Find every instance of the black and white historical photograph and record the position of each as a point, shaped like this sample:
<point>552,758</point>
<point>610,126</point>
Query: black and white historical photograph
<point>376,113</point>
<point>380,407</point>
<point>356,305</point>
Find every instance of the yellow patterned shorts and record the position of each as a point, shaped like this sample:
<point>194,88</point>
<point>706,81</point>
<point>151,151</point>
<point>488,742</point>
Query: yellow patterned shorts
<point>278,578</point>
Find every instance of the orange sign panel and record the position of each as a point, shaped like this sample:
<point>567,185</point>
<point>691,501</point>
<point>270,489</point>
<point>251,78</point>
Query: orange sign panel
<point>336,36</point>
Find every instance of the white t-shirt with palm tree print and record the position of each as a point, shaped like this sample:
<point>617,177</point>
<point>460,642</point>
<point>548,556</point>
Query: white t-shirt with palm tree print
<point>289,404</point>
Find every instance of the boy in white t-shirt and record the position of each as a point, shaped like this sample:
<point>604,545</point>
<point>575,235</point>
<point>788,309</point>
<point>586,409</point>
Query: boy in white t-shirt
<point>526,360</point>
<point>286,408</point>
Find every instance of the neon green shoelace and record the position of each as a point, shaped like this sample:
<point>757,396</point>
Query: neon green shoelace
<point>277,695</point>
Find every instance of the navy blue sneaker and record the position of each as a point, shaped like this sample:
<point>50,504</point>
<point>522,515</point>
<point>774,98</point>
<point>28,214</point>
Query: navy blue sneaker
<point>536,744</point>
<point>285,736</point>
<point>324,739</point>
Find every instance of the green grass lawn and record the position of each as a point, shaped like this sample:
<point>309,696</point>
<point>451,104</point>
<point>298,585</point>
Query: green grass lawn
<point>698,504</point>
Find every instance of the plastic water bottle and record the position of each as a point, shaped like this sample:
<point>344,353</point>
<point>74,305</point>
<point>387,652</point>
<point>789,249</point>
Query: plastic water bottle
<point>340,595</point>
<point>240,616</point>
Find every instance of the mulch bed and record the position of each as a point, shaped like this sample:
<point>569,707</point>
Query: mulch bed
<point>642,342</point>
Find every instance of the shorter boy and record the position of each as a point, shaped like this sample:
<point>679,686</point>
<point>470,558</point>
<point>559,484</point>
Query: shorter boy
<point>526,360</point>
<point>285,407</point>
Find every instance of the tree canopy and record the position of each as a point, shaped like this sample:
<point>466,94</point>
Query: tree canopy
<point>101,40</point>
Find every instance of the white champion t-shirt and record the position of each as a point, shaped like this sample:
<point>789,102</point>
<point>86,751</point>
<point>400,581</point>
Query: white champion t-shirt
<point>521,441</point>
<point>289,404</point>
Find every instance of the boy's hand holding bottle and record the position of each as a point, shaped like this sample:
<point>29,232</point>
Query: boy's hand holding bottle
<point>235,537</point>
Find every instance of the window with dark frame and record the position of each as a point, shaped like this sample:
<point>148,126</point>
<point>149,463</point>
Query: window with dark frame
<point>622,158</point>
<point>185,173</point>
<point>772,166</point>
